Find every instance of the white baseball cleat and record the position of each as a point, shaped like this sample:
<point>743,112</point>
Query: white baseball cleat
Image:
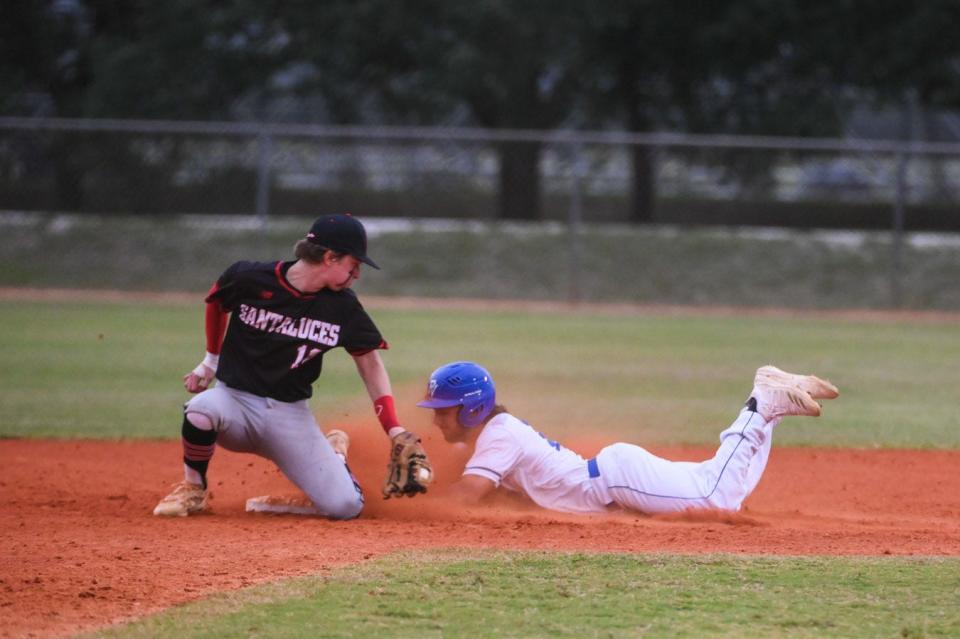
<point>340,442</point>
<point>779,400</point>
<point>812,385</point>
<point>282,505</point>
<point>185,499</point>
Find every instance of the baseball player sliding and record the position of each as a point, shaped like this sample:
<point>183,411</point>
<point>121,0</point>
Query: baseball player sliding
<point>268,326</point>
<point>508,452</point>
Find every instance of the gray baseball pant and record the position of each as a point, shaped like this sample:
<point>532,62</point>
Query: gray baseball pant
<point>287,434</point>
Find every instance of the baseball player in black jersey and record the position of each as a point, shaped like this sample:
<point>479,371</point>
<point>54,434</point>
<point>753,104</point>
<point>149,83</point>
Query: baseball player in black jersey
<point>268,326</point>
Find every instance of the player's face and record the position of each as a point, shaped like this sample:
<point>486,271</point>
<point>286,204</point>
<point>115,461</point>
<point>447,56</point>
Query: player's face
<point>345,269</point>
<point>446,420</point>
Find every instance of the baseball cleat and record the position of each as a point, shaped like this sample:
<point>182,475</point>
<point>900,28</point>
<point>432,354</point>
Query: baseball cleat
<point>282,505</point>
<point>778,400</point>
<point>812,385</point>
<point>340,442</point>
<point>185,499</point>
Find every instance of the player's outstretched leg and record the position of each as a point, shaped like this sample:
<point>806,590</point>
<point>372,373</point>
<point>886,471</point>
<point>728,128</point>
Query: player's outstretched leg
<point>744,446</point>
<point>775,395</point>
<point>640,481</point>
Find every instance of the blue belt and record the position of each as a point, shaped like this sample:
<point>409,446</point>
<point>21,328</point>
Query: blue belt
<point>592,469</point>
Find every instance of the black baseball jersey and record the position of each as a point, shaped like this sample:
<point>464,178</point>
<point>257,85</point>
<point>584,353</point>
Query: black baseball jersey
<point>277,335</point>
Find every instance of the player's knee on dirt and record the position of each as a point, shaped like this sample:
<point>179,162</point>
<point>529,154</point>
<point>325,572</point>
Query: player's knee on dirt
<point>343,509</point>
<point>339,506</point>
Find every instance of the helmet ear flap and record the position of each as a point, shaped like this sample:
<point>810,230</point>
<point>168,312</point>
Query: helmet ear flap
<point>473,414</point>
<point>467,416</point>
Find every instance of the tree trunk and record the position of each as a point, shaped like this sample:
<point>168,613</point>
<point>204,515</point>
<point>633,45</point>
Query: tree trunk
<point>644,188</point>
<point>519,181</point>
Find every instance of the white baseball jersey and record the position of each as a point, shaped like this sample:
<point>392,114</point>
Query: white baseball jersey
<point>513,455</point>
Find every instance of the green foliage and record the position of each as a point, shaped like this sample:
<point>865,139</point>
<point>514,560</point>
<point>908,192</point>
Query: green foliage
<point>184,60</point>
<point>771,67</point>
<point>495,594</point>
<point>176,59</point>
<point>530,65</point>
<point>113,370</point>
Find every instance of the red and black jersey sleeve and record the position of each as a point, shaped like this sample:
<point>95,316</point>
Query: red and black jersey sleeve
<point>231,287</point>
<point>360,334</point>
<point>215,321</point>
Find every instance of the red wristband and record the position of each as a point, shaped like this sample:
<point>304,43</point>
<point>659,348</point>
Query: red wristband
<point>215,320</point>
<point>386,412</point>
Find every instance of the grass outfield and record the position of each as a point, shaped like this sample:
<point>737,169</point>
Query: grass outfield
<point>497,594</point>
<point>113,370</point>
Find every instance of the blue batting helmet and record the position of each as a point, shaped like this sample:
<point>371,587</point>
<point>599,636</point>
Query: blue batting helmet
<point>462,384</point>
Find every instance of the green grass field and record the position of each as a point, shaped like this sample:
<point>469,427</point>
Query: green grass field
<point>497,594</point>
<point>113,370</point>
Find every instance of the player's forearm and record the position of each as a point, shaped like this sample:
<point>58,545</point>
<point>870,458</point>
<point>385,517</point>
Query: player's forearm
<point>377,381</point>
<point>470,490</point>
<point>374,374</point>
<point>215,325</point>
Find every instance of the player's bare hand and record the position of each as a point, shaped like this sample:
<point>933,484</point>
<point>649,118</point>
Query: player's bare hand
<point>198,379</point>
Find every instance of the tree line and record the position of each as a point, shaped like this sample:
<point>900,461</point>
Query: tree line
<point>772,67</point>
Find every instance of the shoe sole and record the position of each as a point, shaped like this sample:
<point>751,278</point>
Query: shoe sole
<point>810,384</point>
<point>179,512</point>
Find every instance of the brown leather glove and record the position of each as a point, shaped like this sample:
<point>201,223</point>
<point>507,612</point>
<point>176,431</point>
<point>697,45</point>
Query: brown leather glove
<point>409,471</point>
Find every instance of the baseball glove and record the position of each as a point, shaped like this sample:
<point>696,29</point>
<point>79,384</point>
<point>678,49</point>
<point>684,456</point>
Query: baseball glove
<point>409,471</point>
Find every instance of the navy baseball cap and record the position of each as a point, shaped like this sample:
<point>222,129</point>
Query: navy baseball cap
<point>341,233</point>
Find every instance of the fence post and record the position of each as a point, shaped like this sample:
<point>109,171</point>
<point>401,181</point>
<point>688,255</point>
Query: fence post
<point>575,224</point>
<point>896,239</point>
<point>264,152</point>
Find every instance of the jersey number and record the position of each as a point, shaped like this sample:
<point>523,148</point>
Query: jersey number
<point>553,443</point>
<point>304,356</point>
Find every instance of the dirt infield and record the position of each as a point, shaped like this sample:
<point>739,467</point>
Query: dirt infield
<point>80,548</point>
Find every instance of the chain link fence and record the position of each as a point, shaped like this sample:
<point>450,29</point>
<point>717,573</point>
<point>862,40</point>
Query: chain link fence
<point>581,179</point>
<point>124,166</point>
